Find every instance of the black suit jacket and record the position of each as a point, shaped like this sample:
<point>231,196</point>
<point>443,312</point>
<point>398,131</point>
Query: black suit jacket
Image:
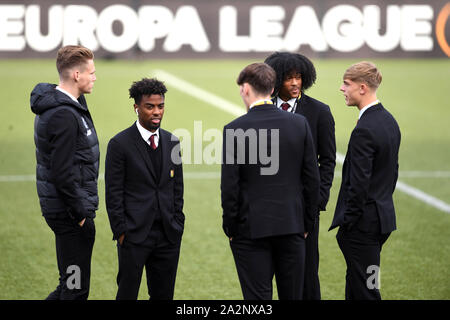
<point>132,196</point>
<point>321,123</point>
<point>258,205</point>
<point>370,173</point>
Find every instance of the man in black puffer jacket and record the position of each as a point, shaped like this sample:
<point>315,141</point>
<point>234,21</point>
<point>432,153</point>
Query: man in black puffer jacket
<point>67,156</point>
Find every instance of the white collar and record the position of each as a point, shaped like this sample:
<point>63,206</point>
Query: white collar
<point>290,101</point>
<point>67,93</point>
<point>367,107</point>
<point>146,133</point>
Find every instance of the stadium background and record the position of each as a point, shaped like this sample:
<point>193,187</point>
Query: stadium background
<point>415,88</point>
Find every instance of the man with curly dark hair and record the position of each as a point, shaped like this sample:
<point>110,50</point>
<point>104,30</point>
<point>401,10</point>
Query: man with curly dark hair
<point>144,197</point>
<point>295,74</point>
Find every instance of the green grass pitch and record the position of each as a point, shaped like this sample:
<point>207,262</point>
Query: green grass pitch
<point>415,260</point>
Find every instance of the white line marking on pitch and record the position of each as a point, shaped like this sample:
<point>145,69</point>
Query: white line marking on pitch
<point>236,110</point>
<point>425,174</point>
<point>24,178</point>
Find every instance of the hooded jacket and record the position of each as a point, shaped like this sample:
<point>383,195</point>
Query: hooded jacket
<point>67,154</point>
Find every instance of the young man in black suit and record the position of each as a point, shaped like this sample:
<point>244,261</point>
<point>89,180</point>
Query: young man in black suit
<point>269,189</point>
<point>365,209</point>
<point>144,197</point>
<point>296,74</point>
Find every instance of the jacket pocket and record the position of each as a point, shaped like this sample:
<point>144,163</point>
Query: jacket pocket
<point>369,222</point>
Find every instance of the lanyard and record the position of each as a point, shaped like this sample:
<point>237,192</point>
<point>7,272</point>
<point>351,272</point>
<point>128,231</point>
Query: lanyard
<point>259,103</point>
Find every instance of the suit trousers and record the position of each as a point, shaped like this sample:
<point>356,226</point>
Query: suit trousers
<point>159,257</point>
<point>258,260</point>
<point>361,251</point>
<point>311,290</point>
<point>74,246</point>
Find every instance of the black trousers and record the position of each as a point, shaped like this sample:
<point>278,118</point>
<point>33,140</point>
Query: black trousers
<point>258,260</point>
<point>311,289</point>
<point>160,259</point>
<point>361,251</point>
<point>74,246</point>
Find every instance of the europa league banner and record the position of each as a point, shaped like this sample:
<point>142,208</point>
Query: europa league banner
<point>138,29</point>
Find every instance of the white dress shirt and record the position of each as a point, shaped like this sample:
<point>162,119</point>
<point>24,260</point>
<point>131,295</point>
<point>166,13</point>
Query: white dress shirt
<point>145,134</point>
<point>367,107</point>
<point>292,103</point>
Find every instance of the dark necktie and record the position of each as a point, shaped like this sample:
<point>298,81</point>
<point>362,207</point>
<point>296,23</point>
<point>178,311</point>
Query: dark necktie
<point>152,141</point>
<point>285,106</point>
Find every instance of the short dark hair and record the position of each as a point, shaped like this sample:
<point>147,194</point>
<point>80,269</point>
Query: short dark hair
<point>287,63</point>
<point>72,56</point>
<point>146,87</point>
<point>260,76</point>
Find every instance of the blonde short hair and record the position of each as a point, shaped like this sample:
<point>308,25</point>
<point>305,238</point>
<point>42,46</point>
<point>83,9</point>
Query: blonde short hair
<point>365,72</point>
<point>72,56</point>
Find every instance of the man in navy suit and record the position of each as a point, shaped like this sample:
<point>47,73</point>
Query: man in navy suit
<point>269,188</point>
<point>295,75</point>
<point>144,197</point>
<point>365,211</point>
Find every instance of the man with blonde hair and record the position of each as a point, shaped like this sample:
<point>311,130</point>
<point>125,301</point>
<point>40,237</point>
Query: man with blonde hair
<point>365,211</point>
<point>67,156</point>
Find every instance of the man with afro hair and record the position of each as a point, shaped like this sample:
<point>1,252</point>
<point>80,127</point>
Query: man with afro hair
<point>295,73</point>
